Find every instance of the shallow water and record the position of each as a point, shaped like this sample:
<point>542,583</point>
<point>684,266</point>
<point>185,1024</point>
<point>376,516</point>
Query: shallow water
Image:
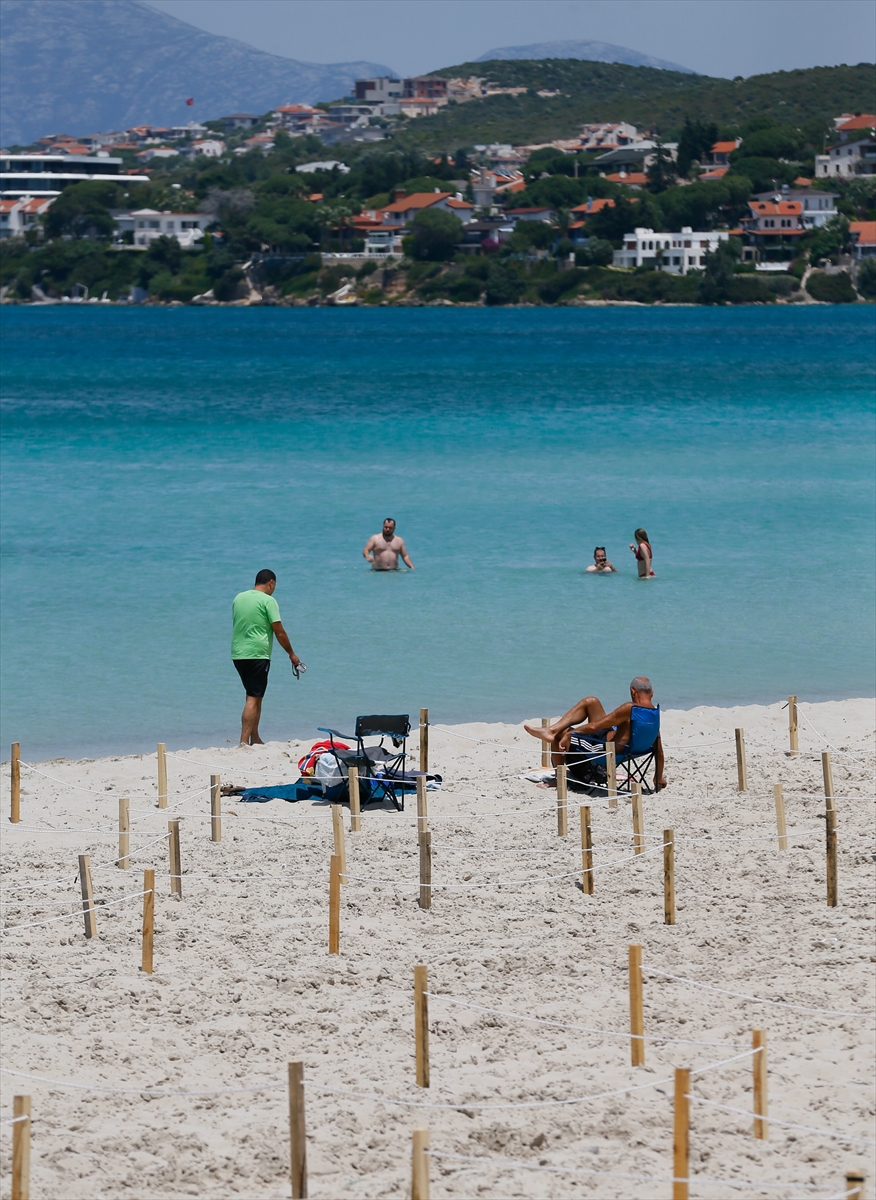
<point>155,459</point>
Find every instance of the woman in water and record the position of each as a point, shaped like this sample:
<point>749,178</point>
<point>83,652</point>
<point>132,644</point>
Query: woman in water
<point>643,553</point>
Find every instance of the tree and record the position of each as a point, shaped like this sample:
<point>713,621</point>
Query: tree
<point>504,285</point>
<point>827,241</point>
<point>764,173</point>
<point>531,235</point>
<point>662,172</point>
<point>164,256</point>
<point>695,143</point>
<point>597,253</point>
<point>434,235</point>
<point>866,280</point>
<point>83,210</point>
<point>717,282</point>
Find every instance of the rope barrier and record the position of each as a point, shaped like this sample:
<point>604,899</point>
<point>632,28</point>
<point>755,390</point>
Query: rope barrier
<point>106,866</point>
<point>834,1012</point>
<point>580,1028</point>
<point>842,1137</point>
<point>77,913</point>
<point>510,1162</point>
<point>15,1120</point>
<point>842,753</point>
<point>142,1091</point>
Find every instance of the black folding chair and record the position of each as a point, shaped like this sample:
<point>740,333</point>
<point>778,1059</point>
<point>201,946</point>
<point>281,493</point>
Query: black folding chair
<point>384,769</point>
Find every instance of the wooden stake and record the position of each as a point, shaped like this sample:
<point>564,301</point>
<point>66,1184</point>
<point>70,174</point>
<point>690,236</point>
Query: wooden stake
<point>827,772</point>
<point>148,921</point>
<point>586,850</point>
<point>545,746</point>
<point>215,809</point>
<point>297,1131</point>
<point>668,876</point>
<point>681,1135</point>
<point>335,905</point>
<point>420,1165</point>
<point>562,802</point>
<point>124,833</point>
<point>611,774</point>
<point>421,1024</point>
<point>832,885</point>
<point>355,810</point>
<point>638,821</point>
<point>424,739</point>
<point>15,780</point>
<point>422,806</point>
<point>340,844</point>
<point>854,1185</point>
<point>792,723</point>
<point>780,816</point>
<point>741,771</point>
<point>87,895</point>
<point>174,858</point>
<point>162,775</point>
<point>759,1071</point>
<point>21,1149</point>
<point>637,1020</point>
<point>425,840</point>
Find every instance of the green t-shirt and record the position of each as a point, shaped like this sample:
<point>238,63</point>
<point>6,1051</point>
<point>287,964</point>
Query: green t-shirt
<point>253,613</point>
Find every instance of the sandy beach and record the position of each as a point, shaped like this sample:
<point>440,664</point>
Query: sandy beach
<point>243,982</point>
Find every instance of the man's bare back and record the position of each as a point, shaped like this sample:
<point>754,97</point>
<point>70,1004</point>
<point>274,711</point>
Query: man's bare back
<point>382,550</point>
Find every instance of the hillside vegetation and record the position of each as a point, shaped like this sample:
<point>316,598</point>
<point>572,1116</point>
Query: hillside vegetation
<point>644,96</point>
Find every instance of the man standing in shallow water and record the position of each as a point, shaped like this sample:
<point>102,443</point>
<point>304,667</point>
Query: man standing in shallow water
<point>256,617</point>
<point>382,549</point>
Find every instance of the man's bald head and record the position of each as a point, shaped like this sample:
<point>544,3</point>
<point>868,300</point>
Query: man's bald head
<point>642,684</point>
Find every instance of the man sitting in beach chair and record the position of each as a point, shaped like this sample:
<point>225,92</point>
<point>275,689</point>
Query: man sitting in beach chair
<point>634,729</point>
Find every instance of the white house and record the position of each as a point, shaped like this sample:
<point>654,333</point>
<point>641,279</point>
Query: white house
<point>855,151</point>
<point>675,253</point>
<point>147,224</point>
<point>380,243</point>
<point>817,207</point>
<point>17,216</point>
<point>209,148</point>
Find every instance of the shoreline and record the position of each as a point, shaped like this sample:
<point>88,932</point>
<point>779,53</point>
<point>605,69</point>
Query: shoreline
<point>725,716</point>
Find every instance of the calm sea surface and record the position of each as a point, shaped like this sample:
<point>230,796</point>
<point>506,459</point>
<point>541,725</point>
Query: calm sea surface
<point>154,460</point>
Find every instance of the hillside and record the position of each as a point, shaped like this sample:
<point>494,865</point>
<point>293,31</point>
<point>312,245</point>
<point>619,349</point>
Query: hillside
<point>109,64</point>
<point>645,96</point>
<point>590,51</point>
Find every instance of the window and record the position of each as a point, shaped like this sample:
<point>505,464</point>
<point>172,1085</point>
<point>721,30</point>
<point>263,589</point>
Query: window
<point>687,245</point>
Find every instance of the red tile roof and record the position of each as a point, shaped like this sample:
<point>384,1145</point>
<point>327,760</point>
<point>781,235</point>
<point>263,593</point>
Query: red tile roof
<point>594,206</point>
<point>630,177</point>
<point>418,200</point>
<point>715,173</point>
<point>864,121</point>
<point>723,147</point>
<point>784,208</point>
<point>866,231</point>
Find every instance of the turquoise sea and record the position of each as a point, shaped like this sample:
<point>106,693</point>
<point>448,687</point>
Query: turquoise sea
<point>155,459</point>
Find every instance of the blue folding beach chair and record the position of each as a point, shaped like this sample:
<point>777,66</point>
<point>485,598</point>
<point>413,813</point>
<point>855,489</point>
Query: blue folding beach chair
<point>585,759</point>
<point>383,769</point>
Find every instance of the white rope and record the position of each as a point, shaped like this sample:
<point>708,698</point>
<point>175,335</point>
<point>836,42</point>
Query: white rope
<point>15,1120</point>
<point>137,850</point>
<point>842,1137</point>
<point>725,1061</point>
<point>506,882</point>
<point>78,913</point>
<point>523,746</point>
<point>834,1012</point>
<point>143,1091</point>
<point>580,1028</point>
<point>842,753</point>
<point>510,1162</point>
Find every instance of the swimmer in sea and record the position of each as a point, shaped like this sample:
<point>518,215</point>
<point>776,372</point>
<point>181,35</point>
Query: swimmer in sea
<point>643,553</point>
<point>383,549</point>
<point>601,565</point>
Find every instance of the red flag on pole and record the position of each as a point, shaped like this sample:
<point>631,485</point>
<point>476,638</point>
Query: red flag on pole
<point>190,102</point>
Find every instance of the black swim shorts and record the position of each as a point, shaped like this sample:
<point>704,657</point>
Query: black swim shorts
<point>253,674</point>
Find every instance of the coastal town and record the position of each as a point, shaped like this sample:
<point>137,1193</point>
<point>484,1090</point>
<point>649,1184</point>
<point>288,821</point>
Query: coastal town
<point>314,204</point>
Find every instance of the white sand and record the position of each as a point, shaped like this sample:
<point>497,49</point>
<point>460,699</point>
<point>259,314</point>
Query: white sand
<point>243,982</point>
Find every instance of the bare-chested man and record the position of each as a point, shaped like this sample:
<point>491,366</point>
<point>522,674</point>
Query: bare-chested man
<point>613,726</point>
<point>383,549</point>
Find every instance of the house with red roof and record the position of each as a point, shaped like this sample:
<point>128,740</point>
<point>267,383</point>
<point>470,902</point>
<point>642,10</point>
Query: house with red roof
<point>405,208</point>
<point>772,230</point>
<point>862,235</point>
<point>719,155</point>
<point>853,153</point>
<point>633,179</point>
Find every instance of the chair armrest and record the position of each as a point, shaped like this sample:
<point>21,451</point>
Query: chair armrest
<point>336,733</point>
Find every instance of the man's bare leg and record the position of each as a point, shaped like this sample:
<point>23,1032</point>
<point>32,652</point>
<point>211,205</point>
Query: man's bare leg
<point>586,710</point>
<point>249,722</point>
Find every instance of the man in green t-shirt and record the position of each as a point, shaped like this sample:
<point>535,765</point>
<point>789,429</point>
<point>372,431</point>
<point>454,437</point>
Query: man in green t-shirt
<point>256,617</point>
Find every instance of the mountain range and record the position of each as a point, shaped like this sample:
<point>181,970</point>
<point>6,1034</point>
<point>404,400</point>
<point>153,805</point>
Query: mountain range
<point>588,51</point>
<point>82,66</point>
